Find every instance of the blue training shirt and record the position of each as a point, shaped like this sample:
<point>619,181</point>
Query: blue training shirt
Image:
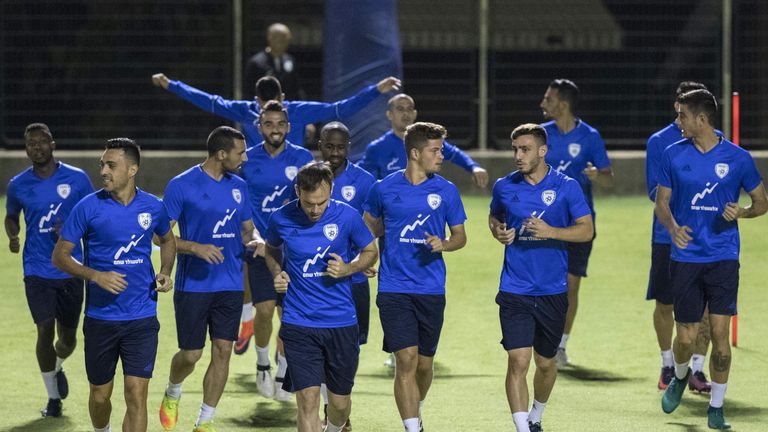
<point>570,152</point>
<point>408,211</point>
<point>46,203</point>
<point>270,180</point>
<point>533,266</point>
<point>314,299</point>
<point>702,184</point>
<point>386,154</point>
<point>300,113</point>
<point>209,212</point>
<point>119,238</point>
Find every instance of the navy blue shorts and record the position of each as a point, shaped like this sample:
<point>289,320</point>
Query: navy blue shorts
<point>411,320</point>
<point>133,342</point>
<point>261,281</point>
<point>578,257</point>
<point>320,355</point>
<point>219,312</point>
<point>660,279</point>
<point>698,285</point>
<point>532,321</point>
<point>60,299</point>
<point>361,294</point>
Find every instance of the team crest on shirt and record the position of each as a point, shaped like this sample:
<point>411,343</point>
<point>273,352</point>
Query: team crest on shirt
<point>548,197</point>
<point>145,220</point>
<point>63,190</point>
<point>236,195</point>
<point>290,172</point>
<point>348,192</point>
<point>574,149</point>
<point>434,201</point>
<point>721,170</point>
<point>331,231</point>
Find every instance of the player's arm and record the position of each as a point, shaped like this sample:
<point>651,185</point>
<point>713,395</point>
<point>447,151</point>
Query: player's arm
<point>313,112</point>
<point>12,229</point>
<point>499,230</point>
<point>678,233</point>
<point>457,156</point>
<point>581,231</point>
<point>207,252</point>
<point>376,225</point>
<point>167,245</point>
<point>758,207</point>
<point>252,238</point>
<point>110,281</point>
<point>601,176</point>
<point>237,111</point>
<point>456,241</point>
<point>337,268</point>
<point>273,256</point>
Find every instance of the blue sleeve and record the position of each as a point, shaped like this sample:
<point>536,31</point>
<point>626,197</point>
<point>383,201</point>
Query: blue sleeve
<point>364,186</point>
<point>455,155</point>
<point>577,203</point>
<point>247,214</point>
<point>600,155</point>
<point>368,162</point>
<point>237,111</point>
<point>665,173</point>
<point>360,234</point>
<point>76,225</point>
<point>373,202</point>
<point>13,205</point>
<point>86,187</point>
<point>314,112</point>
<point>272,236</point>
<point>497,206</point>
<point>750,178</point>
<point>652,166</point>
<point>173,198</point>
<point>455,209</point>
<point>163,221</point>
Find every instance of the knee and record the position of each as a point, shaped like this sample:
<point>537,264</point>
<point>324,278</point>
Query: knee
<point>308,400</point>
<point>407,362</point>
<point>719,336</point>
<point>517,365</point>
<point>424,367</point>
<point>100,395</point>
<point>547,366</point>
<point>46,331</point>
<point>664,310</point>
<point>135,395</point>
<point>221,351</point>
<point>340,404</point>
<point>264,312</point>
<point>190,357</point>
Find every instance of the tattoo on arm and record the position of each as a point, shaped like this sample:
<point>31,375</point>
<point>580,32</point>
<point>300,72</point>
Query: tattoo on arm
<point>721,362</point>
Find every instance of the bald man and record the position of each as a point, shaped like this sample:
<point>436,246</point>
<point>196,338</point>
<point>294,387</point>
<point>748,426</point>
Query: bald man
<point>274,60</point>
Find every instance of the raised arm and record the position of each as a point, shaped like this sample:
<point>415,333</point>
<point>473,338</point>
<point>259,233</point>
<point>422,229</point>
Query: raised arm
<point>237,111</point>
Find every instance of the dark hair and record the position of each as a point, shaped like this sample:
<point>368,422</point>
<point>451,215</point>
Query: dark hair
<point>394,98</point>
<point>129,147</point>
<point>268,88</point>
<point>334,127</point>
<point>686,86</point>
<point>223,138</point>
<point>534,130</point>
<point>274,106</point>
<point>700,101</point>
<point>38,127</point>
<point>417,135</point>
<point>567,90</point>
<point>312,175</point>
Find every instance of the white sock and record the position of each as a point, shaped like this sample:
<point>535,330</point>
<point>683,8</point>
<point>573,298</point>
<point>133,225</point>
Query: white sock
<point>173,391</point>
<point>411,424</point>
<point>206,414</point>
<point>59,362</point>
<point>104,429</point>
<point>324,393</point>
<point>49,379</point>
<point>421,405</point>
<point>537,410</point>
<point>282,366</point>
<point>718,394</point>
<point>666,359</point>
<point>681,369</point>
<point>330,427</point>
<point>697,363</point>
<point>262,355</point>
<point>564,341</point>
<point>521,421</point>
<point>247,313</point>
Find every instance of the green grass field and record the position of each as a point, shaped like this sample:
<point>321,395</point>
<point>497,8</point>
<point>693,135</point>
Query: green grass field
<point>611,387</point>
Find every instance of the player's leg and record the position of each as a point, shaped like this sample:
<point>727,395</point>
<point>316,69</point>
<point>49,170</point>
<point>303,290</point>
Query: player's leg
<point>308,404</point>
<point>102,351</point>
<point>430,312</point>
<point>41,298</point>
<point>660,290</point>
<point>246,317</point>
<point>698,380</point>
<point>138,351</point>
<point>578,259</point>
<point>282,364</point>
<point>306,369</point>
<point>407,393</point>
<point>264,299</point>
<point>136,391</point>
<point>100,404</point>
<point>342,354</point>
<point>69,303</point>
<point>516,385</point>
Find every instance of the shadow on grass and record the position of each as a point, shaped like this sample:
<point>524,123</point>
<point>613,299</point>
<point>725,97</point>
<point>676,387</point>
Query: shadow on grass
<point>696,405</point>
<point>267,415</point>
<point>588,374</point>
<point>246,383</point>
<point>688,427</point>
<point>44,424</point>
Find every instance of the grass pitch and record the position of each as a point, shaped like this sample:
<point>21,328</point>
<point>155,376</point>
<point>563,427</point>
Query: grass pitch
<point>612,385</point>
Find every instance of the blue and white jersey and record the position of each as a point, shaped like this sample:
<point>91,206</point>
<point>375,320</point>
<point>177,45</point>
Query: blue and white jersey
<point>118,238</point>
<point>270,180</point>
<point>534,266</point>
<point>569,153</point>
<point>46,203</point>
<point>702,184</point>
<point>209,212</point>
<point>409,211</point>
<point>314,299</point>
<point>386,154</point>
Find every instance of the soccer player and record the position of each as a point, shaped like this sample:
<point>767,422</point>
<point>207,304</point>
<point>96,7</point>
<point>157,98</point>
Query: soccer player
<point>211,205</point>
<point>301,113</point>
<point>386,154</point>
<point>269,172</point>
<point>410,209</point>
<point>116,225</point>
<point>534,212</point>
<point>577,150</point>
<point>697,201</point>
<point>659,283</point>
<point>46,193</point>
<point>312,250</point>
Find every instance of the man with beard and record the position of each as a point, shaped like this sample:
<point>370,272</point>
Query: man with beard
<point>211,205</point>
<point>577,150</point>
<point>534,212</point>
<point>46,193</point>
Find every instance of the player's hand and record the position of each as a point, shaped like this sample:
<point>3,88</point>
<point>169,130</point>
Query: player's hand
<point>14,245</point>
<point>164,282</point>
<point>388,84</point>
<point>591,172</point>
<point>209,253</point>
<point>160,80</point>
<point>112,282</point>
<point>434,242</point>
<point>281,282</point>
<point>503,235</point>
<point>680,236</point>
<point>370,272</point>
<point>732,212</point>
<point>337,268</point>
<point>539,228</point>
<point>258,246</point>
<point>480,177</point>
